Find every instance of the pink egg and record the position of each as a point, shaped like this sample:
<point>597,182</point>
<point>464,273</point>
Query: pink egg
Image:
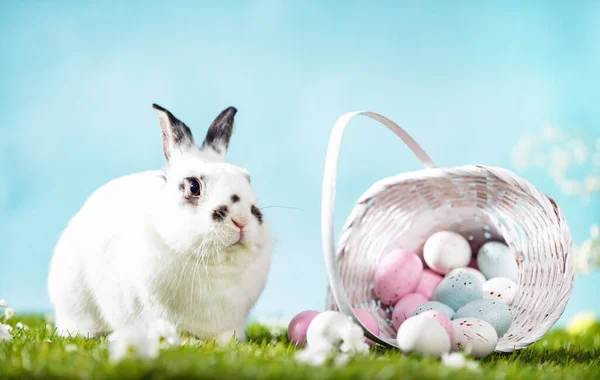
<point>429,281</point>
<point>299,325</point>
<point>398,274</point>
<point>405,308</point>
<point>369,321</point>
<point>443,320</point>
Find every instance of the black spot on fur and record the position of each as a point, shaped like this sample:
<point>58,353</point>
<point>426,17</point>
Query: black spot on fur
<point>257,214</point>
<point>220,213</point>
<point>235,198</point>
<point>219,132</point>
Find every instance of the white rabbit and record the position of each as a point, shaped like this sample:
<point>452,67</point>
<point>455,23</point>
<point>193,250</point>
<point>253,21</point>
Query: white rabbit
<point>188,245</point>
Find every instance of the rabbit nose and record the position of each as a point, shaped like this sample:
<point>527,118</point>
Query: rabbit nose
<point>239,222</point>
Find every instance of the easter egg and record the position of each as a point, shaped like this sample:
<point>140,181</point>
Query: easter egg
<point>397,275</point>
<point>495,259</point>
<point>405,308</point>
<point>435,306</point>
<point>500,288</point>
<point>446,250</point>
<point>298,326</point>
<point>429,281</point>
<point>424,336</point>
<point>369,321</point>
<point>457,290</point>
<point>443,320</point>
<point>472,271</point>
<point>494,312</point>
<point>474,336</point>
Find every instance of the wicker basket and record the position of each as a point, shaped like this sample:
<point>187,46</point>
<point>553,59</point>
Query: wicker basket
<point>482,203</point>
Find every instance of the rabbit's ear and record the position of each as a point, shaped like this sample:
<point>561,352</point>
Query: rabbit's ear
<point>220,132</point>
<point>176,136</point>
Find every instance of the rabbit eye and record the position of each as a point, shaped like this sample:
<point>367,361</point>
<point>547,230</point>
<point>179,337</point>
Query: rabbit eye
<point>194,187</point>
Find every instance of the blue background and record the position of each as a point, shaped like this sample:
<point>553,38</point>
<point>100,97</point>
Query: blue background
<point>77,82</point>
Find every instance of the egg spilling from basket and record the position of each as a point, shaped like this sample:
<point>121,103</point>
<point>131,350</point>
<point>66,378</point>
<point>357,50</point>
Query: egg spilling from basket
<point>471,258</point>
<point>459,294</point>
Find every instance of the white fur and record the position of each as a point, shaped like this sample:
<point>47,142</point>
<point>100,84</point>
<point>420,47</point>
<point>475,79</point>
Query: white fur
<point>137,252</point>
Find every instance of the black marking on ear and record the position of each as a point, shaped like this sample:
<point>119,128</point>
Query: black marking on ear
<point>175,134</point>
<point>257,214</point>
<point>219,132</point>
<point>220,213</point>
<point>235,198</point>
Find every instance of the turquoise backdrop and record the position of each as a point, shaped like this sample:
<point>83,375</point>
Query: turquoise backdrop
<point>77,80</point>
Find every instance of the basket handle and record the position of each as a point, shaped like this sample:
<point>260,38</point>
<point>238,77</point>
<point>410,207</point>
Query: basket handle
<point>328,202</point>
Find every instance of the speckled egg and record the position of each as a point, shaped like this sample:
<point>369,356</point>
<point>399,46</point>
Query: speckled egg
<point>495,259</point>
<point>435,306</point>
<point>424,336</point>
<point>406,307</point>
<point>299,325</point>
<point>494,312</point>
<point>500,288</point>
<point>474,336</point>
<point>369,321</point>
<point>398,274</point>
<point>472,271</point>
<point>443,320</point>
<point>446,250</point>
<point>457,290</point>
<point>429,281</point>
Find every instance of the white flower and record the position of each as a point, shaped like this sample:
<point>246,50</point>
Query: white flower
<point>71,347</point>
<point>571,187</point>
<point>131,342</point>
<point>522,152</point>
<point>578,150</point>
<point>162,331</point>
<point>3,303</point>
<point>595,231</point>
<point>560,162</point>
<point>21,326</point>
<point>331,335</point>
<point>592,183</point>
<point>457,360</point>
<point>583,255</point>
<point>314,355</point>
<point>9,313</point>
<point>5,332</point>
<point>552,134</point>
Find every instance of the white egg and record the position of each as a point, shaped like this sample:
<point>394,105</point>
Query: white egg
<point>424,336</point>
<point>474,336</point>
<point>446,250</point>
<point>472,271</point>
<point>500,288</point>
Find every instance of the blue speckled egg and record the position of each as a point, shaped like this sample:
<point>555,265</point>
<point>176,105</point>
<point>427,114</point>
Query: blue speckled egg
<point>494,312</point>
<point>458,290</point>
<point>495,259</point>
<point>437,306</point>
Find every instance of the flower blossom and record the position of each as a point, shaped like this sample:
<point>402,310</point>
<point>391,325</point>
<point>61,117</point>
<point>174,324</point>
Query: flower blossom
<point>5,332</point>
<point>457,360</point>
<point>332,335</point>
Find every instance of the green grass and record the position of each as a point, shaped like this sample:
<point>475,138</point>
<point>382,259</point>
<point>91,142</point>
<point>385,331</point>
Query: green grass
<point>38,353</point>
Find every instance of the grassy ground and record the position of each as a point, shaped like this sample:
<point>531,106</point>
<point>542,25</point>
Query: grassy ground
<point>37,353</point>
